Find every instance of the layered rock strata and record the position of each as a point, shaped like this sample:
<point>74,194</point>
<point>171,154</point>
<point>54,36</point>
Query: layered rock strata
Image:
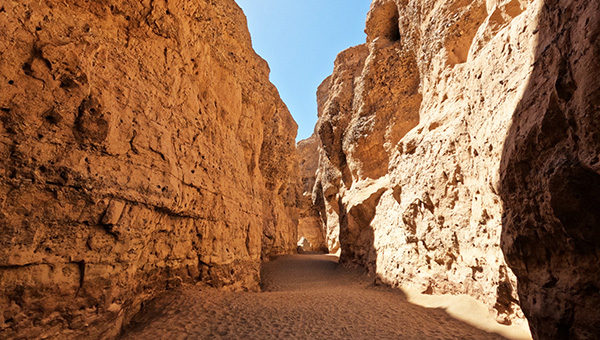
<point>412,126</point>
<point>143,147</point>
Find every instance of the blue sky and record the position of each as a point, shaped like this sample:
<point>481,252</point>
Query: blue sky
<point>300,39</point>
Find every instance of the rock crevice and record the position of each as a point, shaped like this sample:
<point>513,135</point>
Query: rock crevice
<point>418,116</point>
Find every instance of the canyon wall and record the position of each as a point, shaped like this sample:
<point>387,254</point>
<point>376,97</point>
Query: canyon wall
<point>448,110</point>
<point>459,154</point>
<point>310,225</point>
<point>143,147</point>
<point>550,180</point>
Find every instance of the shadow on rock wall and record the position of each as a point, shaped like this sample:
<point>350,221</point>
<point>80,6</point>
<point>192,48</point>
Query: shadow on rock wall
<point>551,177</point>
<point>357,236</point>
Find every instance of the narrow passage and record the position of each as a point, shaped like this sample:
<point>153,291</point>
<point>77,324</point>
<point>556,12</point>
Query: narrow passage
<point>304,297</point>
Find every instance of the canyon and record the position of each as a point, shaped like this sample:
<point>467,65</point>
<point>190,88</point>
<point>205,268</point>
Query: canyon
<point>145,151</point>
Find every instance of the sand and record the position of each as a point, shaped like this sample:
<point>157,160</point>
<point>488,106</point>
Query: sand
<point>304,297</point>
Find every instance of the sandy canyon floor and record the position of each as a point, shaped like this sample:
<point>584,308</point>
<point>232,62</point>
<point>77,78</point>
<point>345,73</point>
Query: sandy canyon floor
<point>305,297</point>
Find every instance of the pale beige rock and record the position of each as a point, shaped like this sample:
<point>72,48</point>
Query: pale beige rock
<point>412,126</point>
<point>304,245</point>
<point>450,109</point>
<point>143,147</point>
<point>310,225</point>
<point>312,297</point>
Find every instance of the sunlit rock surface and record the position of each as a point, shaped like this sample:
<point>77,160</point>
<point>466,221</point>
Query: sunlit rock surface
<point>142,147</point>
<point>461,129</point>
<point>551,177</point>
<point>412,126</point>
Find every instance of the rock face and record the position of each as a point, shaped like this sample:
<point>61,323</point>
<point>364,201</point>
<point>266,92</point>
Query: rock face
<point>461,129</point>
<point>310,225</point>
<point>551,177</point>
<point>142,147</point>
<point>412,127</point>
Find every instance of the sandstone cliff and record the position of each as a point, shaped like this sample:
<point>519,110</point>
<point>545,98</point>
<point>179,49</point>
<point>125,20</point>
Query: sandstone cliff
<point>551,176</point>
<point>462,128</point>
<point>143,146</point>
<point>414,125</point>
<point>310,225</point>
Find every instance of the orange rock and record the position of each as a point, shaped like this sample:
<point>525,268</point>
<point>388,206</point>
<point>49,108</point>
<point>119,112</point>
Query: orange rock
<point>143,147</point>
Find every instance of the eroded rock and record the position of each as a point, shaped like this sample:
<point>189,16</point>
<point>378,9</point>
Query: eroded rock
<point>310,225</point>
<point>412,126</point>
<point>551,177</point>
<point>448,111</point>
<point>143,147</point>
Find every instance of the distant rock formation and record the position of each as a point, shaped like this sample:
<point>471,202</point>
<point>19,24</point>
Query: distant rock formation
<point>310,225</point>
<point>142,147</point>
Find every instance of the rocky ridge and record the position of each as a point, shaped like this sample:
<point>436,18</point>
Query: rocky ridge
<point>143,148</point>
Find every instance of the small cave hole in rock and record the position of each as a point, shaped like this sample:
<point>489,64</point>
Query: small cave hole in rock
<point>385,22</point>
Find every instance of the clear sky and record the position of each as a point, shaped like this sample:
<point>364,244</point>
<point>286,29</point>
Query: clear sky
<point>300,39</point>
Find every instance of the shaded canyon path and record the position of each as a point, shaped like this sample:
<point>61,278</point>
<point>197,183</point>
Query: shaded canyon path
<point>304,297</point>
